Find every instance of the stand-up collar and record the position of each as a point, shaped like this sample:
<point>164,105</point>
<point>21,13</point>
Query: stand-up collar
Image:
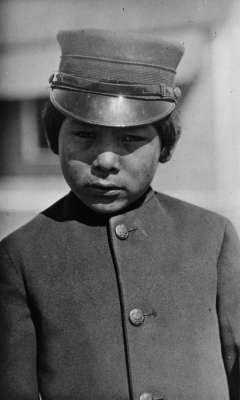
<point>75,209</point>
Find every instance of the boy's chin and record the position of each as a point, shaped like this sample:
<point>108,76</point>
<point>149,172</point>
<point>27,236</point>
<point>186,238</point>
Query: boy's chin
<point>108,207</point>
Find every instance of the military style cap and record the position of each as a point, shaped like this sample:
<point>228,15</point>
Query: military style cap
<point>116,79</point>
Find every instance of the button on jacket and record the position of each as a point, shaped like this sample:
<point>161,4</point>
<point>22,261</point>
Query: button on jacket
<point>143,305</point>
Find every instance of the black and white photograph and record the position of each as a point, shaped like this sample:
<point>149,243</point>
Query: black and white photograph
<point>120,200</point>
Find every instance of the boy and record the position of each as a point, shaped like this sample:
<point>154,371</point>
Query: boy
<point>115,291</point>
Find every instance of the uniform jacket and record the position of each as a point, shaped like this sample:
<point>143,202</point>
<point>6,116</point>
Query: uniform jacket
<point>113,308</point>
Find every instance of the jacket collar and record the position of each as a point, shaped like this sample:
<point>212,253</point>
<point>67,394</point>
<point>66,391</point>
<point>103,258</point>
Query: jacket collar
<point>74,209</point>
<point>148,218</point>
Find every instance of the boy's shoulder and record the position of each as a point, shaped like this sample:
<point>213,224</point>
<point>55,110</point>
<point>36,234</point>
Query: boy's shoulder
<point>42,225</point>
<point>187,213</point>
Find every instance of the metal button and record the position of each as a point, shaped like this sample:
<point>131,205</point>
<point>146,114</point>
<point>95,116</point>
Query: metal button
<point>121,231</point>
<point>177,92</point>
<point>136,317</point>
<point>146,396</point>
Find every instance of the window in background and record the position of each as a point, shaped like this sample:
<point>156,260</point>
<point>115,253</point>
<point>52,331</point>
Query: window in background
<point>23,146</point>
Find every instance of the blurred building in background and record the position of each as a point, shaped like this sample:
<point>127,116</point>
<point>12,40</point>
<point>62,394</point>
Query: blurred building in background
<point>205,168</point>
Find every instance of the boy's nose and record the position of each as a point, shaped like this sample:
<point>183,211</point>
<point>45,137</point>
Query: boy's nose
<point>107,161</point>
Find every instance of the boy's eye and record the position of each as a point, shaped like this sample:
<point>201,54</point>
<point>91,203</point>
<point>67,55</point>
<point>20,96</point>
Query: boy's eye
<point>133,138</point>
<point>84,134</point>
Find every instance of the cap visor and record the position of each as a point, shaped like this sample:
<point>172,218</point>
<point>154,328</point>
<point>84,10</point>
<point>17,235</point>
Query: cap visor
<point>107,110</point>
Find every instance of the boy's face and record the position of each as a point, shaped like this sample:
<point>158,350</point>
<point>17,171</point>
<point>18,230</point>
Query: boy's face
<point>108,168</point>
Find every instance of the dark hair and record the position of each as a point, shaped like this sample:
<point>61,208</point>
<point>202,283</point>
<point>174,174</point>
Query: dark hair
<point>168,129</point>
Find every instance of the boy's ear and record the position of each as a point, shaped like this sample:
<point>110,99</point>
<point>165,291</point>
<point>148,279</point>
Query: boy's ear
<point>173,131</point>
<point>165,154</point>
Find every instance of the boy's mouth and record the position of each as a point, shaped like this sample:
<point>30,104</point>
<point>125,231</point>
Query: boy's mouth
<point>105,188</point>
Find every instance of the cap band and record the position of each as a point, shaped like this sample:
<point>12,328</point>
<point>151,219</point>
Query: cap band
<point>119,61</point>
<point>61,80</point>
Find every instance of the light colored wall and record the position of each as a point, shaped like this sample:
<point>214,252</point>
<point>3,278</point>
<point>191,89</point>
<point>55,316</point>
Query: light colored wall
<point>206,167</point>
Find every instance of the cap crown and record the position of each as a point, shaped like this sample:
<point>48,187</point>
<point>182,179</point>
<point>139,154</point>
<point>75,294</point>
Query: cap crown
<point>119,56</point>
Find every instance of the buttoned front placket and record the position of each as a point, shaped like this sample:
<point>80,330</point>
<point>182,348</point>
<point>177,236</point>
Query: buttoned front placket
<point>129,240</point>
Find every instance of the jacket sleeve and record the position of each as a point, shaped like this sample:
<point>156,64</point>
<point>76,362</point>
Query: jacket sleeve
<point>18,372</point>
<point>228,303</point>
